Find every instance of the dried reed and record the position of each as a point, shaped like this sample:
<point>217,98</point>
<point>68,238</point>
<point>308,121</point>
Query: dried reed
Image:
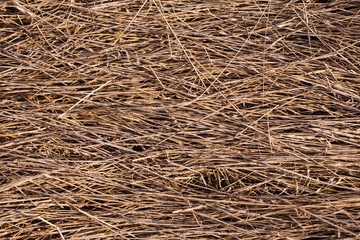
<point>183,119</point>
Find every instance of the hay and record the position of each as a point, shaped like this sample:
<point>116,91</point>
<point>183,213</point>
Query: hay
<point>179,119</point>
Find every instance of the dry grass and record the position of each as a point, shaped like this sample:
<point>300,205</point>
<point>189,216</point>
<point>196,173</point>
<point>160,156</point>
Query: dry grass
<point>179,119</point>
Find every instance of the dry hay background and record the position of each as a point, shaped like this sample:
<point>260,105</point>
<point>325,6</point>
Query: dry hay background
<point>179,119</point>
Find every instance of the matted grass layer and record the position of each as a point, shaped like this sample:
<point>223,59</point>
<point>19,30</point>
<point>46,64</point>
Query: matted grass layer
<point>181,119</point>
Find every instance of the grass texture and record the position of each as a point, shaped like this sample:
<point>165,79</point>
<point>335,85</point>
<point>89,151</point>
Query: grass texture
<point>160,119</point>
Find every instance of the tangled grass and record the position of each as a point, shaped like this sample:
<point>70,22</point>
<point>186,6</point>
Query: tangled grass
<point>154,119</point>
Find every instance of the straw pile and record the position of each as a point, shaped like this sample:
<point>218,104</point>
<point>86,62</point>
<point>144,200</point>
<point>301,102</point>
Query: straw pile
<point>221,119</point>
